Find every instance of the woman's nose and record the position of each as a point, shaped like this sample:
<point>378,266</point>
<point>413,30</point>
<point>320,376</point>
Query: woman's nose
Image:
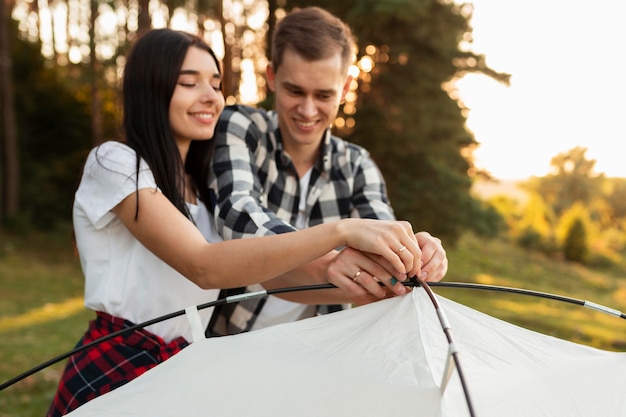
<point>209,93</point>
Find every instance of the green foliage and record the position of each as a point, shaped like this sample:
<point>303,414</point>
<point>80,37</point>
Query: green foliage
<point>498,262</point>
<point>615,196</point>
<point>575,245</point>
<point>53,133</point>
<point>573,233</point>
<point>530,238</point>
<point>614,238</point>
<point>508,209</point>
<point>537,216</point>
<point>572,182</point>
<point>533,224</point>
<point>413,128</point>
<point>488,222</point>
<point>574,193</point>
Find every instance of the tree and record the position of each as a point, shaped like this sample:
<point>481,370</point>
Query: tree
<point>9,160</point>
<point>573,162</point>
<point>616,198</point>
<point>54,136</point>
<point>537,216</point>
<point>404,111</point>
<point>405,116</point>
<point>573,231</point>
<point>534,229</point>
<point>95,75</point>
<point>575,245</point>
<point>572,180</point>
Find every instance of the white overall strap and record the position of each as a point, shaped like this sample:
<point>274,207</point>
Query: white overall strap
<point>193,317</point>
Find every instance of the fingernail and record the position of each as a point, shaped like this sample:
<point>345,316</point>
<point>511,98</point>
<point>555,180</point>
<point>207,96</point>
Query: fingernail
<point>393,281</point>
<point>423,275</point>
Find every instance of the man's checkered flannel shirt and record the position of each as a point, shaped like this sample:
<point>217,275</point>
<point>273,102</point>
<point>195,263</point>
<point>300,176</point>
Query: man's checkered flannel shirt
<point>255,190</point>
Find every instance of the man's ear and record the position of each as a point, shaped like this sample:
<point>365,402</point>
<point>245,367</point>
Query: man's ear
<point>346,87</point>
<point>270,76</point>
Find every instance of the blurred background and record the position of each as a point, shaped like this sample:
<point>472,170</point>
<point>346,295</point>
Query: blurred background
<point>495,123</point>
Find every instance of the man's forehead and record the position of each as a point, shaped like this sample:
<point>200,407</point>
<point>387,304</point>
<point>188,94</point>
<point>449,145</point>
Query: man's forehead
<point>319,75</point>
<point>294,85</point>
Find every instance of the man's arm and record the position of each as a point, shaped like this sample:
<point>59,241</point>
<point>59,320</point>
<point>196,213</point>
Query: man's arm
<point>330,269</point>
<point>235,185</point>
<point>370,200</point>
<point>239,210</point>
<point>369,196</point>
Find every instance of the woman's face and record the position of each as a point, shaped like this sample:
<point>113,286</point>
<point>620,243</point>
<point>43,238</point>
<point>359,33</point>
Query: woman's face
<point>197,100</point>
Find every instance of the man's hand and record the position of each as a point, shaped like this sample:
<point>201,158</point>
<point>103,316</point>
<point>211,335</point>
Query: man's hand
<point>362,273</point>
<point>368,270</point>
<point>434,260</point>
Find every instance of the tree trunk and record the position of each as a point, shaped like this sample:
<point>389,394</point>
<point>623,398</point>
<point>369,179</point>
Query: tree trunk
<point>9,151</point>
<point>227,64</point>
<point>94,67</point>
<point>271,21</point>
<point>143,17</point>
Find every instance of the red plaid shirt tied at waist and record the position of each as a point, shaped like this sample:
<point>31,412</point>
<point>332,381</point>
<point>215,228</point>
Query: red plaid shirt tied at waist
<point>109,364</point>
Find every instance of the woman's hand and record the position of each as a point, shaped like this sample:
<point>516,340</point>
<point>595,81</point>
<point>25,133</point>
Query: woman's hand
<point>362,274</point>
<point>393,240</point>
<point>352,268</point>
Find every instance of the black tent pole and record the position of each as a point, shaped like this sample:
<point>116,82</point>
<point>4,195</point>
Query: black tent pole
<point>259,294</point>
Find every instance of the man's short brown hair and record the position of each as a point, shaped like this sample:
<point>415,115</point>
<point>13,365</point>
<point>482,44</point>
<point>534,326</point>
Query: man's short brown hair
<point>314,34</point>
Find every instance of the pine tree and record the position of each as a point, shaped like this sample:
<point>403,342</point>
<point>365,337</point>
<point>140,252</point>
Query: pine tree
<point>413,127</point>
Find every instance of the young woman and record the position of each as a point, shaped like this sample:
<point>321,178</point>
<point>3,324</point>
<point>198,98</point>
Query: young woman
<point>146,239</point>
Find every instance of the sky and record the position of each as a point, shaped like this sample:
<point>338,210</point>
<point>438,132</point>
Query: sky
<point>567,59</point>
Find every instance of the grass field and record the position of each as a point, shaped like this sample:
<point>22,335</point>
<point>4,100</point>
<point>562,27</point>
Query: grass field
<point>500,263</point>
<point>41,316</point>
<point>41,313</point>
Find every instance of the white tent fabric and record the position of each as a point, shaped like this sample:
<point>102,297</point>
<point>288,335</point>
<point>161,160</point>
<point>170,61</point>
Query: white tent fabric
<point>383,359</point>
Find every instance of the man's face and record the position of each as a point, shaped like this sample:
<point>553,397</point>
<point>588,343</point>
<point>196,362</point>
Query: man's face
<point>308,94</point>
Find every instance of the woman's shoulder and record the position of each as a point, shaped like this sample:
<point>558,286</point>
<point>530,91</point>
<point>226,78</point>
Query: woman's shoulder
<point>112,154</point>
<point>112,149</point>
<point>112,157</point>
<point>111,173</point>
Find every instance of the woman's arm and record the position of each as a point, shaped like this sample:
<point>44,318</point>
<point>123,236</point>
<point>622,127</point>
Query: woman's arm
<point>173,238</point>
<point>336,267</point>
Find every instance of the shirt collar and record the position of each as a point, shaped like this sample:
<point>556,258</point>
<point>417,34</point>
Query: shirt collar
<point>326,152</point>
<point>324,161</point>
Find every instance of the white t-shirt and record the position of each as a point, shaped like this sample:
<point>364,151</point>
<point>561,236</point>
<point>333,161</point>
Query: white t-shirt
<point>276,310</point>
<point>122,277</point>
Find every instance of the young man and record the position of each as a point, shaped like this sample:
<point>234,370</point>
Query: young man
<point>283,170</point>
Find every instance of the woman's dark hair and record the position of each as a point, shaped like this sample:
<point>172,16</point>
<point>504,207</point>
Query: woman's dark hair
<point>150,75</point>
